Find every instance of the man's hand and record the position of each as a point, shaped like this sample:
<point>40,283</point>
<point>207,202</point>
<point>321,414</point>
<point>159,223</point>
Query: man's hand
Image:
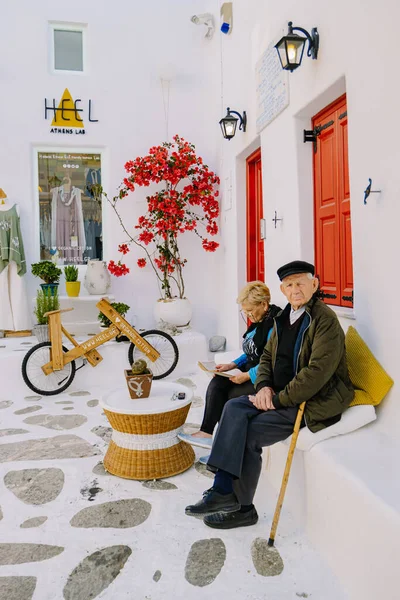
<point>241,378</point>
<point>225,367</point>
<point>263,399</point>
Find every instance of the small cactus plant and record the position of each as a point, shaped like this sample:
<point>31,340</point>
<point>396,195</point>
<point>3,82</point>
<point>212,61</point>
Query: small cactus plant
<point>139,367</point>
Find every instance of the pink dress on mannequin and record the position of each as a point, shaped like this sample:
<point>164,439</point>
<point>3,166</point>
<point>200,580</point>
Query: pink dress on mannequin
<point>67,227</point>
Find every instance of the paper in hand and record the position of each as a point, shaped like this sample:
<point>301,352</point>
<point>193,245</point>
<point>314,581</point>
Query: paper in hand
<point>209,367</point>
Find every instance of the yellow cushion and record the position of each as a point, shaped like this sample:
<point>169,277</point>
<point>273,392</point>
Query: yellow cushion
<point>369,378</point>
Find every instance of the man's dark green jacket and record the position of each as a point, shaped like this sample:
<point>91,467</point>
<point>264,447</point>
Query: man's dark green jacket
<point>321,375</point>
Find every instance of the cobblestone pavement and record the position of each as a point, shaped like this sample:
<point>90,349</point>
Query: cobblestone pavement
<point>70,530</point>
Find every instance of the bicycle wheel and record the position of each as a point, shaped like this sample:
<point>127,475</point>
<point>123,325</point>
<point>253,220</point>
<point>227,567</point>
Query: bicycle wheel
<point>36,380</point>
<point>165,345</point>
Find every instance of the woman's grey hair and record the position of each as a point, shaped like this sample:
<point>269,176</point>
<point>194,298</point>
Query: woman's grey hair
<point>255,292</point>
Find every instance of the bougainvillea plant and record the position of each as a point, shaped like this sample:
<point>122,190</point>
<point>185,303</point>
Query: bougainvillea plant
<point>187,201</point>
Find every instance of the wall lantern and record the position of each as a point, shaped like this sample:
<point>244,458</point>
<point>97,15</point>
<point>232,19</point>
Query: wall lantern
<point>291,47</point>
<point>229,123</point>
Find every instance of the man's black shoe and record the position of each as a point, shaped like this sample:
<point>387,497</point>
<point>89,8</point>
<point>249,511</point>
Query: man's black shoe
<point>213,502</point>
<point>222,520</point>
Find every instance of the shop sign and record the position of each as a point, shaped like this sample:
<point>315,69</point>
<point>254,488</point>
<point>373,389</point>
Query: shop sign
<point>67,117</point>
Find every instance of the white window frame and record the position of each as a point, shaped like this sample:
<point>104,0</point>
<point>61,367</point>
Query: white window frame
<point>59,25</point>
<point>105,208</point>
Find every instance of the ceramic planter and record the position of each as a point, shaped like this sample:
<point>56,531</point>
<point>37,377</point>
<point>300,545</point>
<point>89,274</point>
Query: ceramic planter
<point>177,311</point>
<point>49,286</point>
<point>139,386</point>
<point>97,278</point>
<point>41,332</point>
<point>73,288</point>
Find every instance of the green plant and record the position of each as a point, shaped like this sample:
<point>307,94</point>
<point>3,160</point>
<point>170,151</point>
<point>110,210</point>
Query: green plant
<point>45,302</point>
<point>139,367</point>
<point>119,307</point>
<point>47,271</point>
<point>71,273</point>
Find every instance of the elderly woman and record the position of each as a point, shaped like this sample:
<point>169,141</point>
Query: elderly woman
<point>254,300</point>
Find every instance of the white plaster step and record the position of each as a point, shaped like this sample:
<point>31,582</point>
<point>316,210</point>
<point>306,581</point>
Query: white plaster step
<point>347,492</point>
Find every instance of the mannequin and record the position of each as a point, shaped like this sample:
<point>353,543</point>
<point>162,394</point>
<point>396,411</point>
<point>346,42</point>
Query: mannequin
<point>5,205</point>
<point>66,184</point>
<point>14,311</point>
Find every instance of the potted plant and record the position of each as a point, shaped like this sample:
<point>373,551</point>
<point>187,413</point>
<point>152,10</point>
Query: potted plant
<point>72,285</point>
<point>105,321</point>
<point>46,301</point>
<point>49,273</point>
<point>139,379</point>
<point>186,202</point>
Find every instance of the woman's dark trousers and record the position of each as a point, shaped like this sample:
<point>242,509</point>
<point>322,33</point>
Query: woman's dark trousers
<point>219,391</point>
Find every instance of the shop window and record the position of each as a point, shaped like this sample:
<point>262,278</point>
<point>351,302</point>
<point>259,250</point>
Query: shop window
<point>333,247</point>
<point>68,48</point>
<point>70,207</point>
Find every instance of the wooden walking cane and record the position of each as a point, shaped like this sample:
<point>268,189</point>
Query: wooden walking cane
<point>286,474</point>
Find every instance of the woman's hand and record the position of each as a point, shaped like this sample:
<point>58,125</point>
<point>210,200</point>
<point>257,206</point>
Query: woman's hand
<point>242,378</point>
<point>225,367</point>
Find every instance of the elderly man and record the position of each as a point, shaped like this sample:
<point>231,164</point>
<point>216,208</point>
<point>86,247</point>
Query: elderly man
<point>304,360</point>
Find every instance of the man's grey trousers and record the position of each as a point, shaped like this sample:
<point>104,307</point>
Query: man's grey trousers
<point>242,433</point>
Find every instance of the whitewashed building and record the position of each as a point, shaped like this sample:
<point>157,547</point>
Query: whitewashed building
<point>351,493</point>
<point>143,72</point>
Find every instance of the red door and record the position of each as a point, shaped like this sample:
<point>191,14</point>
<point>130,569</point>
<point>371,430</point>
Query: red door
<point>255,224</point>
<point>333,252</point>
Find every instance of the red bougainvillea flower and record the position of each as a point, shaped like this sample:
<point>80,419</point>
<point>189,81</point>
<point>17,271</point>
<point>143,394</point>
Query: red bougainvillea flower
<point>212,228</point>
<point>209,246</point>
<point>124,248</point>
<point>186,201</point>
<point>146,237</point>
<point>118,269</point>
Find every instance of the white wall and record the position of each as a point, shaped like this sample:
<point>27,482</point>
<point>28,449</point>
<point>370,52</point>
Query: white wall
<point>357,43</point>
<point>131,44</point>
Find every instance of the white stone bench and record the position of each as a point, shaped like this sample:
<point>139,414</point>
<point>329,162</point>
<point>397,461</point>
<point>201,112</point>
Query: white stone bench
<point>345,491</point>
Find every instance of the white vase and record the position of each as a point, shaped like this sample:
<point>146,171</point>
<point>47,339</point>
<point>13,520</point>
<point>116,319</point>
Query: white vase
<point>97,279</point>
<point>177,311</point>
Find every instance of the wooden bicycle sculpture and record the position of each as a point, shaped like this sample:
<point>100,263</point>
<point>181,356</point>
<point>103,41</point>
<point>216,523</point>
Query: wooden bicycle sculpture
<point>49,367</point>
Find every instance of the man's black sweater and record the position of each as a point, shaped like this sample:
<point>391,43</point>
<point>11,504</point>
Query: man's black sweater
<point>284,369</point>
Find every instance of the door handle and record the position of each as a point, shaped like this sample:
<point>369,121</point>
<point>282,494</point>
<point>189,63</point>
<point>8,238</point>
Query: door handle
<point>262,229</point>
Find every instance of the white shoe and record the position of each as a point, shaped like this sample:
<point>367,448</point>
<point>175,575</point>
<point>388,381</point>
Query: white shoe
<point>203,460</point>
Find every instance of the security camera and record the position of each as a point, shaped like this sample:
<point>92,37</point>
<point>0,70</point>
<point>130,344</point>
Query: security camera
<point>206,19</point>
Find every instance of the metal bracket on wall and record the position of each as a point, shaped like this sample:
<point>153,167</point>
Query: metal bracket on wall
<point>322,294</point>
<point>310,135</point>
<point>368,191</point>
<point>349,298</point>
<point>275,219</point>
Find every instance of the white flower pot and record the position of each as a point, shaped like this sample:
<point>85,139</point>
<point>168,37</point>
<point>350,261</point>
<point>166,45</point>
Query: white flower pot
<point>41,332</point>
<point>177,311</point>
<point>97,279</point>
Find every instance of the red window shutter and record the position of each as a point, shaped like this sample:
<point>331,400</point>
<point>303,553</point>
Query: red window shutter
<point>333,250</point>
<point>346,255</point>
<point>326,212</point>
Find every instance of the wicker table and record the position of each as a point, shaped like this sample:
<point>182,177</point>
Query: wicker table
<point>144,442</point>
